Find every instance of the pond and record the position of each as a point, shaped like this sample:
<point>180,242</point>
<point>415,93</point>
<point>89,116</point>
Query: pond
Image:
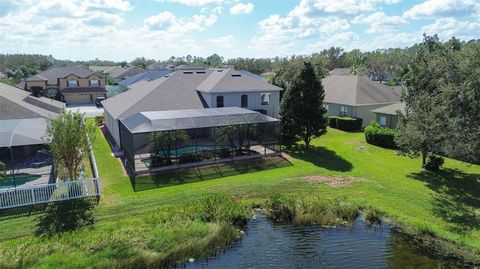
<point>267,245</point>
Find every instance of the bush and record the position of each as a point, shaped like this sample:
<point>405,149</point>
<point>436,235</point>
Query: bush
<point>187,158</point>
<point>434,163</point>
<point>348,124</point>
<point>99,120</point>
<point>332,121</point>
<point>3,171</point>
<point>378,135</point>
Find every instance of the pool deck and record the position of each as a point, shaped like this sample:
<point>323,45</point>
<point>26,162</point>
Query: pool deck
<point>44,173</point>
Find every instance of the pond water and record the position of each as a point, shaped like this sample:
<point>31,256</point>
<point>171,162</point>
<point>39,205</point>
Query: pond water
<point>267,245</point>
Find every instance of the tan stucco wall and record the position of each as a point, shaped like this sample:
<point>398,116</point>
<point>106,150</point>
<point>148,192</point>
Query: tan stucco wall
<point>365,112</point>
<point>82,82</point>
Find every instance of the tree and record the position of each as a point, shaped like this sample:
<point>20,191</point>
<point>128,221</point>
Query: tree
<point>421,127</point>
<point>68,140</point>
<point>3,171</point>
<point>301,110</point>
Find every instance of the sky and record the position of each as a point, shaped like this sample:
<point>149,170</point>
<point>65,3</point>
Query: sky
<point>125,29</point>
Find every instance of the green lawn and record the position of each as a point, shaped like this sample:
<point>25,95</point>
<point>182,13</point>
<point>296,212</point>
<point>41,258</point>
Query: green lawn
<point>445,204</point>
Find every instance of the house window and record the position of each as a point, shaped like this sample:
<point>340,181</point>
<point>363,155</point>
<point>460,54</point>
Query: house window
<point>220,101</point>
<point>94,83</point>
<point>72,83</point>
<point>265,99</point>
<point>325,106</point>
<point>343,111</point>
<point>244,101</point>
<point>383,120</point>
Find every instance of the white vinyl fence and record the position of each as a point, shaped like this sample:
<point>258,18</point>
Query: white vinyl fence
<point>47,193</point>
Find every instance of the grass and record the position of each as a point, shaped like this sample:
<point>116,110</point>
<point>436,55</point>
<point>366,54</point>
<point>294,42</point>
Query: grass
<point>147,227</point>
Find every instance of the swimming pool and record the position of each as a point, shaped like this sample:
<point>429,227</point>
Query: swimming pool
<point>20,179</point>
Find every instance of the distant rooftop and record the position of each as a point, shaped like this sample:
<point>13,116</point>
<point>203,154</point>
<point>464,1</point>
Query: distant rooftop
<point>391,109</point>
<point>53,74</point>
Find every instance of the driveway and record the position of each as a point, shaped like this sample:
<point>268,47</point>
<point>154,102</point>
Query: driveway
<point>90,110</point>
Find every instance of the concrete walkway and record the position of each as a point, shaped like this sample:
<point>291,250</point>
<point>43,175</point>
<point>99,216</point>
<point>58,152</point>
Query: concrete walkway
<point>90,110</point>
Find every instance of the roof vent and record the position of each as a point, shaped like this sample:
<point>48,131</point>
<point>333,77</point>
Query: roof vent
<point>188,72</point>
<point>167,76</point>
<point>236,75</point>
<point>201,72</point>
<point>219,70</point>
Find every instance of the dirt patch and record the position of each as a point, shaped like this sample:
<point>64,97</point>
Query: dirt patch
<point>333,181</point>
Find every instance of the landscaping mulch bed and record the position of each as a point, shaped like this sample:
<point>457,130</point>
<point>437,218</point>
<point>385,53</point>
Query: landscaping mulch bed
<point>333,181</point>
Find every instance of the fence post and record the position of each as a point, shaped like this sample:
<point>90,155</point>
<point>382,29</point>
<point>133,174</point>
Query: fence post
<point>33,195</point>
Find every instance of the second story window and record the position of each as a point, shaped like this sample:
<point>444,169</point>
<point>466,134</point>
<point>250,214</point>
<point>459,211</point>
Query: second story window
<point>94,83</point>
<point>265,99</point>
<point>72,83</point>
<point>220,101</point>
<point>244,102</point>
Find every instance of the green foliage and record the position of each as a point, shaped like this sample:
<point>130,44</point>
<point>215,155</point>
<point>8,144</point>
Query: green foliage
<point>434,163</point>
<point>142,62</point>
<point>373,215</point>
<point>345,123</point>
<point>301,110</point>
<point>67,138</point>
<point>99,120</point>
<point>3,171</point>
<point>162,144</point>
<point>378,135</point>
<point>254,65</point>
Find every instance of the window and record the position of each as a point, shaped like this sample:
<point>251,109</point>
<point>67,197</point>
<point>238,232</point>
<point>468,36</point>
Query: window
<point>244,101</point>
<point>94,83</point>
<point>325,106</point>
<point>220,101</point>
<point>343,111</point>
<point>383,120</point>
<point>72,83</point>
<point>265,99</point>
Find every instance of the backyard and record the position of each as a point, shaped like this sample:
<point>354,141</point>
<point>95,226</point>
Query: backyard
<point>126,225</point>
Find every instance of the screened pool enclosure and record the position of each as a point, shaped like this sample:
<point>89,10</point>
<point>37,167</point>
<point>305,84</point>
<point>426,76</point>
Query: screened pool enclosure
<point>160,140</point>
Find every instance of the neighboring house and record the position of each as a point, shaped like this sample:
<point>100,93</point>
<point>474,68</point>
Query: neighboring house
<point>117,73</point>
<point>145,76</point>
<point>192,89</point>
<point>71,84</point>
<point>388,115</point>
<point>356,95</point>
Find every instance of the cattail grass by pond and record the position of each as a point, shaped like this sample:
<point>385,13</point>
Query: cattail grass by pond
<point>373,215</point>
<point>310,211</point>
<point>165,237</point>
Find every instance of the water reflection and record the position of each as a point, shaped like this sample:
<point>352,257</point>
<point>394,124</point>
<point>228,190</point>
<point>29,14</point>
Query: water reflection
<point>267,245</point>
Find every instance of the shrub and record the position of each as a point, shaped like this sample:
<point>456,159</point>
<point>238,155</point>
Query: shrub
<point>99,120</point>
<point>187,158</point>
<point>373,215</point>
<point>434,163</point>
<point>3,171</point>
<point>378,135</point>
<point>332,121</point>
<point>348,124</point>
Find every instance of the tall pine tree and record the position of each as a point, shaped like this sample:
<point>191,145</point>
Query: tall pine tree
<point>301,110</point>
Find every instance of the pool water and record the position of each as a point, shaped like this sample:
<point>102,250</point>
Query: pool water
<point>267,245</point>
<point>20,179</point>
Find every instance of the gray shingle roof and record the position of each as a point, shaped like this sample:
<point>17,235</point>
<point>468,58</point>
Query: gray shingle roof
<point>147,75</point>
<point>19,104</point>
<point>358,90</point>
<point>391,109</point>
<point>54,73</point>
<point>177,91</point>
<point>229,80</point>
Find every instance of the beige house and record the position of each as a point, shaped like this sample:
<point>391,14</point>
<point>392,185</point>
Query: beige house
<point>388,115</point>
<point>356,96</point>
<point>70,84</point>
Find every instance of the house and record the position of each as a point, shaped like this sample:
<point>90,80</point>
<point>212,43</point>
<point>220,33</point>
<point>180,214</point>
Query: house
<point>117,73</point>
<point>70,84</point>
<point>23,127</point>
<point>388,115</point>
<point>192,89</point>
<point>356,95</point>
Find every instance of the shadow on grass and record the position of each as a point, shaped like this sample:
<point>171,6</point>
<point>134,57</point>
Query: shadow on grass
<point>321,157</point>
<point>66,216</point>
<point>457,196</point>
<point>195,174</point>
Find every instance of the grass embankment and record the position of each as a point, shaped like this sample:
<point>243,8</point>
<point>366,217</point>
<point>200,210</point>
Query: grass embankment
<point>444,204</point>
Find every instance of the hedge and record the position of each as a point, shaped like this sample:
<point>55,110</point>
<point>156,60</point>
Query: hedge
<point>378,135</point>
<point>345,123</point>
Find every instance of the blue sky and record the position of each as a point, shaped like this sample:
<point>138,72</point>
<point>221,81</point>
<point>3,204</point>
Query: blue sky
<point>125,29</point>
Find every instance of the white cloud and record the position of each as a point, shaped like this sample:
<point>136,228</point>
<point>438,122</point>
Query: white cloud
<point>222,41</point>
<point>379,22</point>
<point>194,2</point>
<point>315,7</point>
<point>241,8</point>
<point>347,40</point>
<point>448,27</point>
<point>167,21</point>
<point>442,8</point>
